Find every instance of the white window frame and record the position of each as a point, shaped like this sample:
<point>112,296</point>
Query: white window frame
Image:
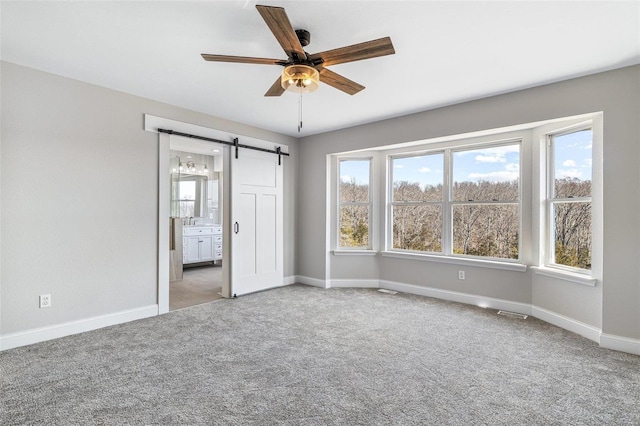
<point>518,202</point>
<point>393,203</point>
<point>369,204</point>
<point>448,203</point>
<point>550,200</point>
<point>542,223</point>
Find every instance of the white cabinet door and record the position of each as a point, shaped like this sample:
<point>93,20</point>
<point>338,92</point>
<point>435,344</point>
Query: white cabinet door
<point>193,249</point>
<point>206,248</point>
<point>257,222</point>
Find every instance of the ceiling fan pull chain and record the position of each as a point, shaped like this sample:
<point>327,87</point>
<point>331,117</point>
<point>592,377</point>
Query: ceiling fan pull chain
<point>300,112</point>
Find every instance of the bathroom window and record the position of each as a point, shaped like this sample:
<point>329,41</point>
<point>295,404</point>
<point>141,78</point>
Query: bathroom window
<point>191,196</point>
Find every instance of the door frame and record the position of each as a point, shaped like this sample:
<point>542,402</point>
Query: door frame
<point>151,124</point>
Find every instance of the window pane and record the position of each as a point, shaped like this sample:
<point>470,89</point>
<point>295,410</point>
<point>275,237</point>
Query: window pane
<point>354,181</point>
<point>417,227</point>
<point>418,178</point>
<point>487,174</point>
<point>188,190</point>
<point>486,230</point>
<point>354,226</point>
<point>572,164</point>
<point>572,234</point>
<point>187,208</point>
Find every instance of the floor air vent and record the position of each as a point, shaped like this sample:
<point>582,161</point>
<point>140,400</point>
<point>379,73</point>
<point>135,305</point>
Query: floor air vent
<point>512,314</point>
<point>384,290</point>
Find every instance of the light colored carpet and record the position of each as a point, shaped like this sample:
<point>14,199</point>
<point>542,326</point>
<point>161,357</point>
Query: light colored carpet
<point>299,355</point>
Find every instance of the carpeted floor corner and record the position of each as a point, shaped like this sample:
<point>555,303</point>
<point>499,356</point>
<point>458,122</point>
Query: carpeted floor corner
<point>299,355</point>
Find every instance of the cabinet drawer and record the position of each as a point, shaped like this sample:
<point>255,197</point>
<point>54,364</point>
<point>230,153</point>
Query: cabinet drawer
<point>218,247</point>
<point>198,230</point>
<point>217,239</point>
<point>217,255</point>
<point>217,230</point>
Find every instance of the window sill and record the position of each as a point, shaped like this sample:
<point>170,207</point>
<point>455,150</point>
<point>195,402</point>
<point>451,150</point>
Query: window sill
<point>508,266</point>
<point>565,275</point>
<point>353,252</point>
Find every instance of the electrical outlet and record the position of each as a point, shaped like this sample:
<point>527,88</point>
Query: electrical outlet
<point>461,275</point>
<point>45,300</point>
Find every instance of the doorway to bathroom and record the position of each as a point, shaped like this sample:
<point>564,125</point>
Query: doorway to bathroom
<point>196,254</point>
<point>251,209</point>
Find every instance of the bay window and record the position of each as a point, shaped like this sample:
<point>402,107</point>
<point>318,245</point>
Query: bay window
<point>509,199</point>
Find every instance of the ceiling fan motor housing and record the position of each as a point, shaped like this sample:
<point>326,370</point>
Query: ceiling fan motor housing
<point>304,36</point>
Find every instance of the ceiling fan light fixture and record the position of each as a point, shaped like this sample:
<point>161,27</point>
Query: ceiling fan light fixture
<point>300,78</point>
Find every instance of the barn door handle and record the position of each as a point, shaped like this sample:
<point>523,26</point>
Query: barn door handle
<point>236,227</point>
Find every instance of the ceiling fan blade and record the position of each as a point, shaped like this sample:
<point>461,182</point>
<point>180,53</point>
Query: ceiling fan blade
<point>339,82</point>
<point>242,59</point>
<point>276,89</point>
<point>279,24</point>
<point>355,52</point>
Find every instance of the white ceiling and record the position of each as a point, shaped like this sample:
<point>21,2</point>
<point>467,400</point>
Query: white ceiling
<point>446,51</point>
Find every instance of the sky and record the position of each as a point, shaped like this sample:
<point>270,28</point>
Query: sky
<point>494,164</point>
<point>425,169</point>
<point>573,155</point>
<point>354,169</point>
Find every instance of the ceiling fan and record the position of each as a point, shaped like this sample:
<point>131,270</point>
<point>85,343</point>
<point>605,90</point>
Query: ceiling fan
<point>303,71</point>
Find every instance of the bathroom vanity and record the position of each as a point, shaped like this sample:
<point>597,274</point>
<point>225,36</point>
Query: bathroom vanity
<point>201,243</point>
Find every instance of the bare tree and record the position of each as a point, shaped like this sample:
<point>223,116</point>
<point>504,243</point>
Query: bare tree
<point>486,221</point>
<point>354,219</point>
<point>572,223</point>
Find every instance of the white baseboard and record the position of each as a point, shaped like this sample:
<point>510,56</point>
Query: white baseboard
<point>354,283</point>
<point>608,341</point>
<point>28,337</point>
<point>454,296</point>
<point>619,343</point>
<point>314,282</point>
<point>570,324</point>
<point>585,330</point>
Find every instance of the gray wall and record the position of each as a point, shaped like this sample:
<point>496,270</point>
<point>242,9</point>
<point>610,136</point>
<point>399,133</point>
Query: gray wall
<point>613,305</point>
<point>79,191</point>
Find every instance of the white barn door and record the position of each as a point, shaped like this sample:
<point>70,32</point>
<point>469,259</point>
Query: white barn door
<point>256,222</point>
